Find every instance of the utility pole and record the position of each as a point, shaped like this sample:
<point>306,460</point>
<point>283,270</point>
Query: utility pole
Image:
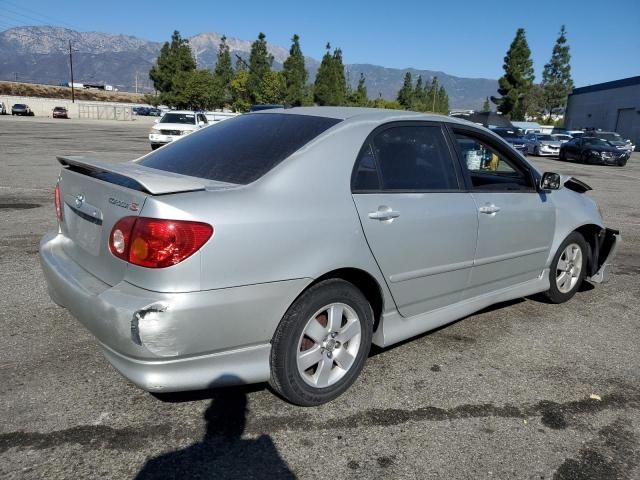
<point>73,93</point>
<point>136,81</point>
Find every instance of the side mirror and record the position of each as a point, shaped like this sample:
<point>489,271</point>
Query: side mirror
<point>550,181</point>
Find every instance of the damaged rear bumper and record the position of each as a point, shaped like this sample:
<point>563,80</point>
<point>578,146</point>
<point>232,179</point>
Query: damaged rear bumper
<point>172,341</point>
<point>607,245</point>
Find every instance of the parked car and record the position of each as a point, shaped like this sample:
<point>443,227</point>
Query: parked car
<point>155,112</point>
<point>593,150</point>
<point>515,137</point>
<point>616,140</point>
<point>278,246</point>
<point>60,112</point>
<point>541,144</point>
<point>575,133</point>
<point>215,117</point>
<point>21,109</point>
<point>141,111</point>
<point>561,137</point>
<point>174,125</point>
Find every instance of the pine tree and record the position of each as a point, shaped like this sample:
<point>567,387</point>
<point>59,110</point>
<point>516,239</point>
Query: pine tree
<point>260,61</point>
<point>295,74</point>
<point>223,74</point>
<point>486,106</point>
<point>405,95</point>
<point>322,84</point>
<point>174,58</point>
<point>517,79</point>
<point>556,77</point>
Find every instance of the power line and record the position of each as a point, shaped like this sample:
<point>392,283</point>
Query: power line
<point>32,14</point>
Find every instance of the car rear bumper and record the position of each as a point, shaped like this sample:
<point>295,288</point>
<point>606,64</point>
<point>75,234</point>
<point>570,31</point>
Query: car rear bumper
<point>172,341</point>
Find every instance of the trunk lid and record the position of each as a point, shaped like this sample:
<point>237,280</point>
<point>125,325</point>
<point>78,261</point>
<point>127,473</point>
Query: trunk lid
<point>95,195</point>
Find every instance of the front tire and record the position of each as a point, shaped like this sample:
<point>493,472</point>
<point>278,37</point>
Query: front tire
<point>568,269</point>
<point>322,343</point>
<point>562,156</point>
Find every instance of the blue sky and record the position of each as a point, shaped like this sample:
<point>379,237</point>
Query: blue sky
<point>464,38</point>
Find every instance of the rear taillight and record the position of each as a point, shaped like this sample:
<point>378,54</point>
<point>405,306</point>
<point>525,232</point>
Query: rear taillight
<point>58,201</point>
<point>157,243</point>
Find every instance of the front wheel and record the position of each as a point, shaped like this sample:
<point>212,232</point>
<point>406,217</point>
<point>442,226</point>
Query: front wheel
<point>322,343</point>
<point>568,269</point>
<point>562,156</point>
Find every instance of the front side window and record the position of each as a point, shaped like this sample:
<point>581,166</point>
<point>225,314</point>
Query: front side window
<point>414,158</point>
<point>488,169</point>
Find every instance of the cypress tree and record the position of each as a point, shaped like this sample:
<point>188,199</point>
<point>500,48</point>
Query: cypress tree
<point>432,96</point>
<point>295,74</point>
<point>223,73</point>
<point>359,97</point>
<point>556,77</point>
<point>339,79</point>
<point>418,103</point>
<point>175,58</point>
<point>517,79</point>
<point>322,84</point>
<point>260,62</point>
<point>405,94</point>
<point>442,103</point>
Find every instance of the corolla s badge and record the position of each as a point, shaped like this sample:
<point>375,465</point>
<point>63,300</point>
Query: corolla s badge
<point>79,200</point>
<point>134,207</point>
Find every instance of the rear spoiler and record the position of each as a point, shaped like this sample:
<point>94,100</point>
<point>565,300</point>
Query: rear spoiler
<point>150,180</point>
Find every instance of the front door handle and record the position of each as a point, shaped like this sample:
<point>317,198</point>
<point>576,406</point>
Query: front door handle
<point>384,213</point>
<point>489,209</point>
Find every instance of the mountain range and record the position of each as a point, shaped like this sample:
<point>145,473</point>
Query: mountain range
<point>40,54</point>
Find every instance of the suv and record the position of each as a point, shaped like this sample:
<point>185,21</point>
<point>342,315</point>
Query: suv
<point>174,125</point>
<point>60,112</point>
<point>21,109</point>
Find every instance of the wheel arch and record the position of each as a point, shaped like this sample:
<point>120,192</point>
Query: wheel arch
<point>364,281</point>
<point>590,232</point>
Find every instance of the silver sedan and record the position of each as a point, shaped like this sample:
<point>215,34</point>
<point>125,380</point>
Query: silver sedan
<point>280,245</point>
<point>541,144</point>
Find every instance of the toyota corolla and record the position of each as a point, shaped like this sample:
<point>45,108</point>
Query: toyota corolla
<point>279,245</point>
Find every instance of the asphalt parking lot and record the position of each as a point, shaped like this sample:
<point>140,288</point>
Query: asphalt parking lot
<point>511,392</point>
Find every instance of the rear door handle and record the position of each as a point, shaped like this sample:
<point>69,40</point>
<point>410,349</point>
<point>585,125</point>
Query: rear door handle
<point>384,213</point>
<point>489,209</point>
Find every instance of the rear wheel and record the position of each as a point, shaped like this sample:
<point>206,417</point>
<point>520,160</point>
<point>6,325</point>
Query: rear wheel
<point>568,269</point>
<point>322,343</point>
<point>536,151</point>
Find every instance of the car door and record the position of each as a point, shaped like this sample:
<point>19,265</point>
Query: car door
<point>420,225</point>
<point>572,149</point>
<point>515,222</point>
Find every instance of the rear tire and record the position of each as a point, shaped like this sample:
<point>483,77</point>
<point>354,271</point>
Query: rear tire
<point>328,330</point>
<point>155,147</point>
<point>568,269</point>
<point>536,151</point>
<point>562,156</point>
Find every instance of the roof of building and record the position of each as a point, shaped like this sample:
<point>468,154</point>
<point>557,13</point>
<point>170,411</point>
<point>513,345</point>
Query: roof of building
<point>625,82</point>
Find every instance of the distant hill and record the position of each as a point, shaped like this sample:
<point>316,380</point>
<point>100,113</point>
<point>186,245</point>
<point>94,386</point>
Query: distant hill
<point>40,54</point>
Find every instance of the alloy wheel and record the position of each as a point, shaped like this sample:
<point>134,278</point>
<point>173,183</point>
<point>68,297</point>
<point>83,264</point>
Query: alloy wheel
<point>569,268</point>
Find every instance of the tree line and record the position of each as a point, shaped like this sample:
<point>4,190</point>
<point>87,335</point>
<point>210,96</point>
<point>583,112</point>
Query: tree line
<point>180,83</point>
<point>519,96</point>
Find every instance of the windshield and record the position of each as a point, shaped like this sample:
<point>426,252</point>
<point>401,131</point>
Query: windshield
<point>544,137</point>
<point>595,141</point>
<point>610,136</point>
<point>187,118</point>
<point>241,149</point>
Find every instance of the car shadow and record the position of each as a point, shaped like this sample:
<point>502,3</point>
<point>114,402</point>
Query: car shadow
<point>222,453</point>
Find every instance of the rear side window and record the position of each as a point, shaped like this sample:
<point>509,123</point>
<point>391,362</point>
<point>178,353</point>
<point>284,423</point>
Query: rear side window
<point>239,150</point>
<point>414,158</point>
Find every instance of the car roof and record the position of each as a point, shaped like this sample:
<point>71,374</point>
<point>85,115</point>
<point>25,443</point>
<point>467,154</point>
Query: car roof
<point>356,114</point>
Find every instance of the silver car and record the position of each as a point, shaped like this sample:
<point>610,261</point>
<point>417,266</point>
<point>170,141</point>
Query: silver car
<point>279,245</point>
<point>542,144</point>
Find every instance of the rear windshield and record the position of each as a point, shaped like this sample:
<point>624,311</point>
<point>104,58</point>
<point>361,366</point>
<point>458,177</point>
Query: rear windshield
<point>239,150</point>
